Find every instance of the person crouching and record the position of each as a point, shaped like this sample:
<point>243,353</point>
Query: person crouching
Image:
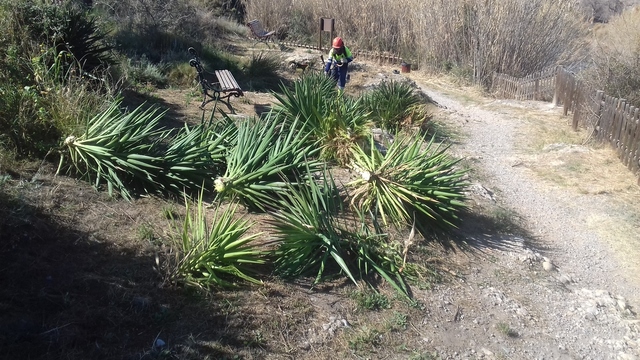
<point>340,57</point>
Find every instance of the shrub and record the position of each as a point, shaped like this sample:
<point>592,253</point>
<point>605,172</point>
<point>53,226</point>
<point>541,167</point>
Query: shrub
<point>615,67</point>
<point>46,54</point>
<point>413,183</point>
<point>264,161</point>
<point>213,253</point>
<point>132,155</point>
<point>65,28</point>
<point>393,105</point>
<point>261,71</point>
<point>334,120</point>
<point>316,236</point>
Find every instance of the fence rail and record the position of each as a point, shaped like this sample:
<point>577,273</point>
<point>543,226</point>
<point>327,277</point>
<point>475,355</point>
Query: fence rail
<point>610,119</point>
<point>536,86</point>
<point>383,58</point>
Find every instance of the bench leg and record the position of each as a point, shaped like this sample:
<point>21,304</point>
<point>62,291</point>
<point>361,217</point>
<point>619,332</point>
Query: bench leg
<point>205,95</point>
<point>262,41</point>
<point>226,100</point>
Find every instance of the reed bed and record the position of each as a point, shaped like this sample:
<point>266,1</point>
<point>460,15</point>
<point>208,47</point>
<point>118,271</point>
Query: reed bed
<point>512,36</point>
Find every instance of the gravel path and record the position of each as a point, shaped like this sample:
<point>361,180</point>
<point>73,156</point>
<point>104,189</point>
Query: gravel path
<point>562,294</point>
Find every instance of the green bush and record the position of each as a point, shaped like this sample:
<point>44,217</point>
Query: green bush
<point>412,183</point>
<point>261,72</point>
<point>212,253</point>
<point>334,120</point>
<point>46,53</point>
<point>264,161</point>
<point>394,105</point>
<point>317,236</point>
<point>65,28</point>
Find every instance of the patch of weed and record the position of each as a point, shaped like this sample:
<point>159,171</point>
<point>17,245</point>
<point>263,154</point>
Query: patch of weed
<point>366,337</point>
<point>371,300</point>
<point>505,329</point>
<point>397,322</point>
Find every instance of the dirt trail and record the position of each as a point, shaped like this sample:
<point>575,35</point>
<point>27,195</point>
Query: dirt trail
<point>564,291</point>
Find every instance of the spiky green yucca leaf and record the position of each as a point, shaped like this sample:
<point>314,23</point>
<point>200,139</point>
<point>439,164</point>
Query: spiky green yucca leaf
<point>265,158</point>
<point>391,103</point>
<point>211,252</point>
<point>335,120</point>
<point>196,155</point>
<point>307,99</point>
<point>305,222</point>
<point>412,179</point>
<point>131,155</point>
<point>120,150</point>
<point>316,235</point>
<point>347,123</point>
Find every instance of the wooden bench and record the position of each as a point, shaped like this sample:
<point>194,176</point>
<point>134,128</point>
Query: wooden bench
<point>221,90</point>
<point>259,32</point>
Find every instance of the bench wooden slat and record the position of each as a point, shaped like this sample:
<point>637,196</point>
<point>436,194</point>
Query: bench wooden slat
<point>227,81</point>
<point>226,84</point>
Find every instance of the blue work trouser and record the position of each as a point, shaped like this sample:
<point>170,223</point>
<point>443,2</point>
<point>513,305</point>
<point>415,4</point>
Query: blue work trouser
<point>339,74</point>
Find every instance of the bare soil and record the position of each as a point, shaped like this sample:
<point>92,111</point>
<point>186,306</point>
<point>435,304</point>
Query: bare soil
<point>544,266</point>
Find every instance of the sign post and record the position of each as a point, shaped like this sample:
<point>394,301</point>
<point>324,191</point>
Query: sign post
<point>326,25</point>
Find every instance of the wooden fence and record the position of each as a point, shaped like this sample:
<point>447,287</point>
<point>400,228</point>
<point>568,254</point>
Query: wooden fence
<point>612,120</point>
<point>536,86</point>
<point>381,58</point>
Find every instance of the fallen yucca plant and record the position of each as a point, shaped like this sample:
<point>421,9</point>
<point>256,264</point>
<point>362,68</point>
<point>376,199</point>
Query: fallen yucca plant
<point>305,223</point>
<point>265,159</point>
<point>413,180</point>
<point>317,236</point>
<point>120,150</point>
<point>196,155</point>
<point>213,252</point>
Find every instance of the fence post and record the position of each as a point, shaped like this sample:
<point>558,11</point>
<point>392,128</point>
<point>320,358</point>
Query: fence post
<point>597,112</point>
<point>557,87</point>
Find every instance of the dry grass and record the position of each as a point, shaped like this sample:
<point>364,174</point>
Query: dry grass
<point>615,49</point>
<point>474,38</point>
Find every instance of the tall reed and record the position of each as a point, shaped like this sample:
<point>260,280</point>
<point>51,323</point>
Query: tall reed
<point>511,36</point>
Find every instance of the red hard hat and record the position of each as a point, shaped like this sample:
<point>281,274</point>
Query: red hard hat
<point>337,43</point>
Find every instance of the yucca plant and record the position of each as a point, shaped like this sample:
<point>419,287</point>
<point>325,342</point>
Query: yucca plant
<point>211,253</point>
<point>266,157</point>
<point>393,104</point>
<point>196,155</point>
<point>316,235</point>
<point>335,120</point>
<point>306,99</point>
<point>262,71</point>
<point>346,124</point>
<point>121,150</point>
<point>415,179</point>
<point>305,223</point>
